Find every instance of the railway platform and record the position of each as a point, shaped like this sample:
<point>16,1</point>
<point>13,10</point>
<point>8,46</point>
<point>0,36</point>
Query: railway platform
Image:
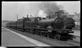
<point>11,38</point>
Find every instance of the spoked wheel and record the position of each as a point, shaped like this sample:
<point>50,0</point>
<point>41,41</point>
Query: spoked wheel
<point>45,34</point>
<point>58,37</point>
<point>48,35</point>
<point>64,38</point>
<point>70,37</point>
<point>51,35</point>
<point>34,31</point>
<point>42,33</point>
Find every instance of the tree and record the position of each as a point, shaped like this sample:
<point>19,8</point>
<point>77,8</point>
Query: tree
<point>76,16</point>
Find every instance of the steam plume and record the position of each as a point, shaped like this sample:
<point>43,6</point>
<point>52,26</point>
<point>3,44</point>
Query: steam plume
<point>49,8</point>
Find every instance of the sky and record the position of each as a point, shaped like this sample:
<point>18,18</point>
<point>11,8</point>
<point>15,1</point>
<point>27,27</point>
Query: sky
<point>10,10</point>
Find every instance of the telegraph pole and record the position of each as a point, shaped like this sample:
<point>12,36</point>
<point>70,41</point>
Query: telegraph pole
<point>23,24</point>
<point>16,21</point>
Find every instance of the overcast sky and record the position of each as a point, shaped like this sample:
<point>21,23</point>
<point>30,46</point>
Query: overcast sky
<point>11,9</point>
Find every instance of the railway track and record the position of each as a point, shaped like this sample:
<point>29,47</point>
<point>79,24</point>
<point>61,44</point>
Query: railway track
<point>54,41</point>
<point>69,42</point>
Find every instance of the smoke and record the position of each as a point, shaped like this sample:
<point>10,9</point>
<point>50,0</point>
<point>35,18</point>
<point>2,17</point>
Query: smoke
<point>41,13</point>
<point>49,8</point>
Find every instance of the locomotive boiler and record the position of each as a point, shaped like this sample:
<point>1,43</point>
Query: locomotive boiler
<point>58,27</point>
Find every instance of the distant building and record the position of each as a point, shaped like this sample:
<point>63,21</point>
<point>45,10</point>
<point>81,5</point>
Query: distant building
<point>77,23</point>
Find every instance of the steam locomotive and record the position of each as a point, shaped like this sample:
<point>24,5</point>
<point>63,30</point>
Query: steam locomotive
<point>58,28</point>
